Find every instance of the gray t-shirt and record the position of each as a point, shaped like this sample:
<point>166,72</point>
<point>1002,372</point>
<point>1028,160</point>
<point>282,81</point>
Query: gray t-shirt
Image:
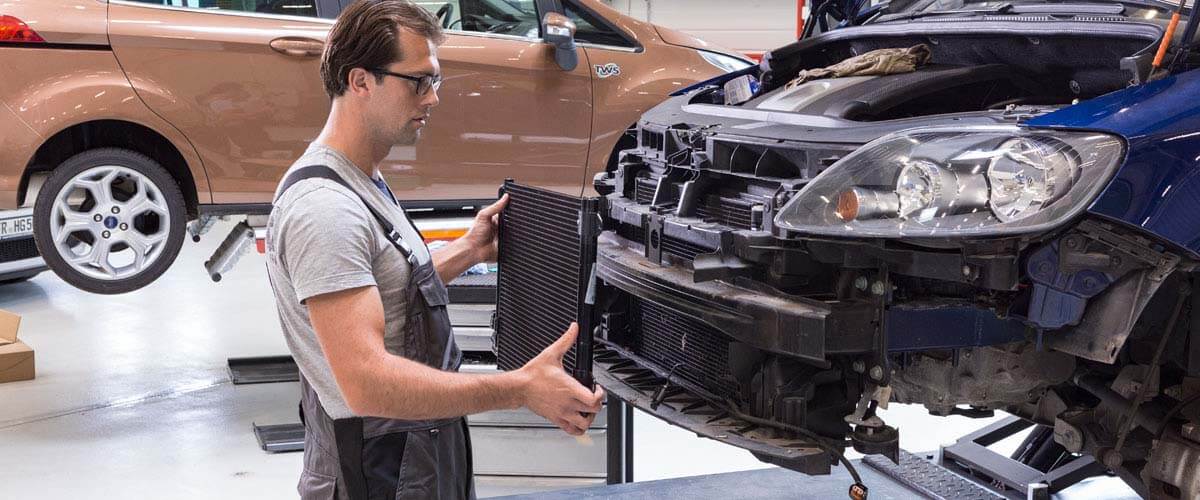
<point>322,239</point>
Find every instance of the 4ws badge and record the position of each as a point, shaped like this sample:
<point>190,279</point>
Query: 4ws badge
<point>607,70</point>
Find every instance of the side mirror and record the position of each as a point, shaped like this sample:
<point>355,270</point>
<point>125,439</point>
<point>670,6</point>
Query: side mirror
<point>558,30</point>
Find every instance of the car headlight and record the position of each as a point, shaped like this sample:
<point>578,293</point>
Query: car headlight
<point>723,62</point>
<point>939,182</point>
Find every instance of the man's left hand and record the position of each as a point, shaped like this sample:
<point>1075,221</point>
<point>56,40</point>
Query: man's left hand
<point>484,232</point>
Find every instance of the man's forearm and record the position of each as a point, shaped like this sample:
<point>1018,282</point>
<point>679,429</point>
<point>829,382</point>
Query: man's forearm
<point>396,387</point>
<point>454,259</point>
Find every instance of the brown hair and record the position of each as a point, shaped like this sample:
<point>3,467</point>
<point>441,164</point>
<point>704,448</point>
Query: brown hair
<point>365,36</point>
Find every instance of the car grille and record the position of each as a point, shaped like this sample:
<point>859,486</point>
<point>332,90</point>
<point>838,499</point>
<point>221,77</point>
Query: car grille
<point>541,274</point>
<point>694,351</point>
<point>733,212</point>
<point>632,233</point>
<point>644,190</point>
<point>682,249</point>
<point>653,140</point>
<point>670,245</point>
<point>18,249</point>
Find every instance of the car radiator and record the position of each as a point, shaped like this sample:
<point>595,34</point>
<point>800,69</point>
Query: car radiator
<point>547,251</point>
<point>687,348</point>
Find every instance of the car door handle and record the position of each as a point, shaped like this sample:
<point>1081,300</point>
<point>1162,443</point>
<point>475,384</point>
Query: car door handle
<point>297,47</point>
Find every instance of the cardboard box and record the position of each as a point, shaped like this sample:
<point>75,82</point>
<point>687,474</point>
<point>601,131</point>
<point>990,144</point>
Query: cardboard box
<point>16,362</point>
<point>9,324</point>
<point>16,358</point>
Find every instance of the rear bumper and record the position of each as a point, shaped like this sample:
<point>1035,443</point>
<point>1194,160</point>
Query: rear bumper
<point>22,268</point>
<point>17,145</point>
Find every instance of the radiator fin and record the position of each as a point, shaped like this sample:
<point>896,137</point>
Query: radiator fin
<point>682,249</point>
<point>697,352</point>
<point>645,188</point>
<point>729,211</point>
<point>540,281</point>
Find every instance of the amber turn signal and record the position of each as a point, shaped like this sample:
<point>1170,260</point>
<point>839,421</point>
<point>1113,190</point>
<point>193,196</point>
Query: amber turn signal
<point>864,203</point>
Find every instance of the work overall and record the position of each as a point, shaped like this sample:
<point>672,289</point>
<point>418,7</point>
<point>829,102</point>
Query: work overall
<point>369,457</point>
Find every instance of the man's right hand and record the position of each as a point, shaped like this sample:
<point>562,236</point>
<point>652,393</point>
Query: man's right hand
<point>554,394</point>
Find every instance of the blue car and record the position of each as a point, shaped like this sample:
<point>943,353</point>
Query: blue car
<point>1002,212</point>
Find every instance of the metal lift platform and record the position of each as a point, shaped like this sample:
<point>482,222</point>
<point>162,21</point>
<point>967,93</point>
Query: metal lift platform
<point>770,483</point>
<point>965,470</point>
<point>776,483</point>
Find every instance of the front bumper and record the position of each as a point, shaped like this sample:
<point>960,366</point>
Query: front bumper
<point>801,327</point>
<point>680,349</point>
<point>771,321</point>
<point>633,380</point>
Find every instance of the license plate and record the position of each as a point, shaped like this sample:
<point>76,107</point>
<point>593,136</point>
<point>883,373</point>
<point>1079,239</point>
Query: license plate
<point>16,227</point>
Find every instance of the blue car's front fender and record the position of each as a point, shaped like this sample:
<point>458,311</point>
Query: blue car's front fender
<point>1158,187</point>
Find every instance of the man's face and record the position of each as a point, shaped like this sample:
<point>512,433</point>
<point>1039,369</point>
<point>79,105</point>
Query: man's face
<point>398,112</point>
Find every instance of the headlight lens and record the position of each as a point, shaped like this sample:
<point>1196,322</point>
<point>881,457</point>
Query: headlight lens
<point>947,182</point>
<point>1028,175</point>
<point>725,63</point>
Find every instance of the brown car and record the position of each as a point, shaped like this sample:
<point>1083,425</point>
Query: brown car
<point>123,120</point>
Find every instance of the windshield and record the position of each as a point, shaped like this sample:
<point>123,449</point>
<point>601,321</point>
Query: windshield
<point>521,7</point>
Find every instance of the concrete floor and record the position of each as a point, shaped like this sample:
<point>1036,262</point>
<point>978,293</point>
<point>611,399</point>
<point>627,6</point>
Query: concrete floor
<point>132,399</point>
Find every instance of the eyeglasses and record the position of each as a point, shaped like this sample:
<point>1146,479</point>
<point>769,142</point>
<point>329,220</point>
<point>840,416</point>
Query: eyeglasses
<point>425,83</point>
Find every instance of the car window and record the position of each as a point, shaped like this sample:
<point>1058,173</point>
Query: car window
<point>504,17</point>
<point>288,7</point>
<point>449,13</point>
<point>589,28</point>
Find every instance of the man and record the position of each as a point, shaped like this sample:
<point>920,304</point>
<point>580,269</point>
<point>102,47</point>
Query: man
<point>362,301</point>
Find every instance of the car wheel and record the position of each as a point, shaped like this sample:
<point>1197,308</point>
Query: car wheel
<point>109,220</point>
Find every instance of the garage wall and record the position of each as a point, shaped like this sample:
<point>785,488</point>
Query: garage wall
<point>749,26</point>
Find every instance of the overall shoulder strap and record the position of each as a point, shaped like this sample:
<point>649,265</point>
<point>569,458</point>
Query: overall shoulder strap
<point>324,172</point>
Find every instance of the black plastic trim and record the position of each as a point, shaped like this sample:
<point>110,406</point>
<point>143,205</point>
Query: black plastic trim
<point>446,205</point>
<point>789,325</point>
<point>472,294</point>
<point>235,209</point>
<point>630,379</point>
<point>216,209</point>
<point>56,46</point>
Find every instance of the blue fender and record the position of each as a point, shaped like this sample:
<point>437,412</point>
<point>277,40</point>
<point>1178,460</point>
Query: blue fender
<point>1157,189</point>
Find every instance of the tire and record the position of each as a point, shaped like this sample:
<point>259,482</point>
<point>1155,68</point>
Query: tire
<point>102,209</point>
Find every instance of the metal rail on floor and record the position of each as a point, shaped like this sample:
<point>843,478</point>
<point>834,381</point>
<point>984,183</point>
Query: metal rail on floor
<point>289,437</point>
<point>915,475</point>
<point>1039,468</point>
<point>263,370</point>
